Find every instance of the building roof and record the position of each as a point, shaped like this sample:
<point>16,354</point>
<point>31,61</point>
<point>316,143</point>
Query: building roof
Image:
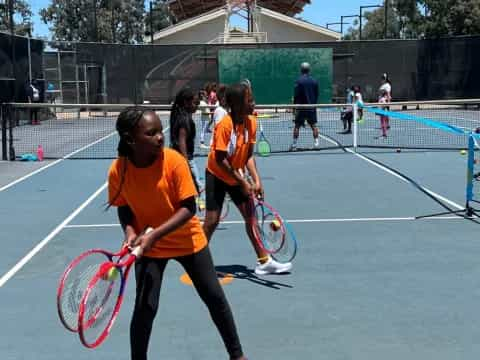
<point>189,23</point>
<point>300,23</point>
<point>185,9</point>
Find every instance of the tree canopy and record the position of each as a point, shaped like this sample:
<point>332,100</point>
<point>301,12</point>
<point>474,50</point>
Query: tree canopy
<point>412,19</point>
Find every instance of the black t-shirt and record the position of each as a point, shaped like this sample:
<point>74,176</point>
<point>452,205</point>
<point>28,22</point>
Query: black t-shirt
<point>183,121</point>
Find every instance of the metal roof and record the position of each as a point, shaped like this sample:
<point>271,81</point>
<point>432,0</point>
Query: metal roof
<point>185,9</point>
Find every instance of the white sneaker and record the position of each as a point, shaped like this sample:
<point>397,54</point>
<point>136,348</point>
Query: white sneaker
<point>203,146</point>
<point>272,267</point>
<point>293,147</point>
<point>316,144</point>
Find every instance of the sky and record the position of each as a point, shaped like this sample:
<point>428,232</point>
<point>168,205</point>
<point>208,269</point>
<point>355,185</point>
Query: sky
<point>318,12</point>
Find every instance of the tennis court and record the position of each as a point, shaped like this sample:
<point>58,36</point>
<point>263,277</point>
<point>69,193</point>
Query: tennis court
<point>369,281</point>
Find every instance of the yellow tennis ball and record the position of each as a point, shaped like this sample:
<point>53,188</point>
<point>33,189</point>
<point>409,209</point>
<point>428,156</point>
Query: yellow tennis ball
<point>463,152</point>
<point>112,274</point>
<point>275,225</point>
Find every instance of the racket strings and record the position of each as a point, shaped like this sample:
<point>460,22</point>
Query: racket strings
<point>100,304</point>
<point>75,284</point>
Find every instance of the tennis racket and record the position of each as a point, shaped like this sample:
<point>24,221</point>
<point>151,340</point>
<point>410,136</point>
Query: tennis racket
<point>74,281</point>
<point>271,229</point>
<point>288,250</point>
<point>102,299</point>
<point>263,146</point>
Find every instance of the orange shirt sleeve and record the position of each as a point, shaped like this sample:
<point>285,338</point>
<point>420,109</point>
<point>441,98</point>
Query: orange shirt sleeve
<point>183,181</point>
<point>115,197</point>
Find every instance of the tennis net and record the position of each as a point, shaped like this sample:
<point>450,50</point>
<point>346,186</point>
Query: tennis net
<point>87,131</point>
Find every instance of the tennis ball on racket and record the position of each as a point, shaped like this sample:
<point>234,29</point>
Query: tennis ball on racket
<point>111,274</point>
<point>463,152</point>
<point>275,225</point>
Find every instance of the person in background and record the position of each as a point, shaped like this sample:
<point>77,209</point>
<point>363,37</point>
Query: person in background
<point>386,85</point>
<point>34,97</point>
<point>347,113</point>
<point>152,187</point>
<point>383,99</point>
<point>183,130</point>
<point>205,117</point>
<point>305,92</point>
<point>358,99</point>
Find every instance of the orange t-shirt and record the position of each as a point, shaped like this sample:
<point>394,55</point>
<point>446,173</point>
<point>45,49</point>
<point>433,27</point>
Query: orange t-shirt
<point>236,140</point>
<point>154,195</point>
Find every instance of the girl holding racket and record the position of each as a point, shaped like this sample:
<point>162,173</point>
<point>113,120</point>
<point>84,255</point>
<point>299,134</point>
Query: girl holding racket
<point>152,187</point>
<point>230,153</point>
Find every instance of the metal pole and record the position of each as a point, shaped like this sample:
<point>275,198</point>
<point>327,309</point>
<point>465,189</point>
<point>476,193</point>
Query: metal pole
<point>360,29</point>
<point>341,26</point>
<point>12,33</point>
<point>385,6</point>
<point>151,22</point>
<point>29,60</point>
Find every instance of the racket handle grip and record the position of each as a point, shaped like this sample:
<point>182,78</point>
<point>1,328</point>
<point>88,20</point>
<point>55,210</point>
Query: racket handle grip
<point>136,251</point>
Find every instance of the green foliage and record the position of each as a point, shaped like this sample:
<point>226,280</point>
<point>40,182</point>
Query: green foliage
<point>22,10</point>
<point>410,19</point>
<point>116,20</point>
<point>451,17</point>
<point>160,16</point>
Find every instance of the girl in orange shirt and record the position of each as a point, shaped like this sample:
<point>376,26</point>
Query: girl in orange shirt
<point>152,187</point>
<point>230,153</point>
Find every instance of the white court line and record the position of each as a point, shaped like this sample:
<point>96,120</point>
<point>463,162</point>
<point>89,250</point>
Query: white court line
<point>53,163</point>
<point>438,196</point>
<point>293,221</point>
<point>49,237</point>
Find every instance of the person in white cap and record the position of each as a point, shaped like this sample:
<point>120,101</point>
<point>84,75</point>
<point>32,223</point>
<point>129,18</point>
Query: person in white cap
<point>306,92</point>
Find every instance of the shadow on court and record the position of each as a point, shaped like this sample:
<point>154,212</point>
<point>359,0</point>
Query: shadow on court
<point>243,273</point>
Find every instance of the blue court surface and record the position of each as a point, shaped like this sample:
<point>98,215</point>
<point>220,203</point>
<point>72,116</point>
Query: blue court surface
<point>369,281</point>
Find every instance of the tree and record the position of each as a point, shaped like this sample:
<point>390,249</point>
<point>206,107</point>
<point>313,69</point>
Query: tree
<point>96,20</point>
<point>451,17</point>
<point>21,8</point>
<point>160,16</point>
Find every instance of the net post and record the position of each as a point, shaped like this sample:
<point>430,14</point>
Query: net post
<point>4,131</point>
<point>470,172</point>
<point>355,126</point>
<point>11,123</point>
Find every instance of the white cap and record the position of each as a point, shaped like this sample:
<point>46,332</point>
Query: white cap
<point>305,66</point>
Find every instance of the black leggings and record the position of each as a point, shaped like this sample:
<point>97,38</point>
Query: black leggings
<point>199,266</point>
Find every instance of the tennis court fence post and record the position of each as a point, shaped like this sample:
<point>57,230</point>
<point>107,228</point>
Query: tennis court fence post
<point>3,120</point>
<point>355,126</point>
<point>10,114</point>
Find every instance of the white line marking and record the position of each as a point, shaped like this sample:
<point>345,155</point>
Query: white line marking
<point>438,196</point>
<point>59,228</point>
<point>49,237</point>
<point>60,160</point>
<point>293,221</point>
<point>53,163</point>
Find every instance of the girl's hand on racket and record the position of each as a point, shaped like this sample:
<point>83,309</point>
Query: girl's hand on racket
<point>246,188</point>
<point>258,190</point>
<point>130,239</point>
<point>145,242</point>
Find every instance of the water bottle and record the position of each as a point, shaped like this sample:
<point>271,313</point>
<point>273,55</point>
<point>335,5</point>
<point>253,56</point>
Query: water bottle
<point>40,153</point>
